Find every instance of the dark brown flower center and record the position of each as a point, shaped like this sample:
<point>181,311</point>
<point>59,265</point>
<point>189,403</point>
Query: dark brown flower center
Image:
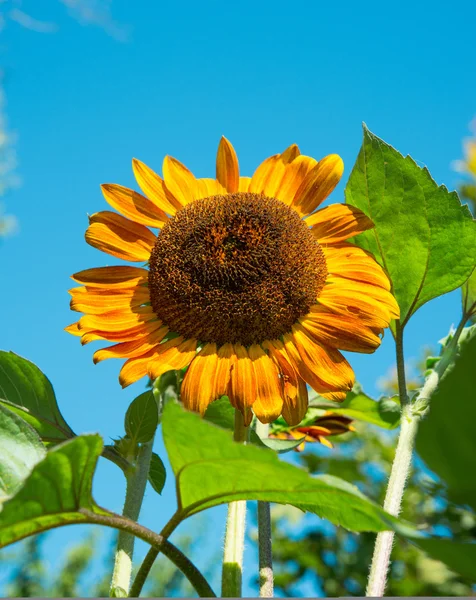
<point>235,268</point>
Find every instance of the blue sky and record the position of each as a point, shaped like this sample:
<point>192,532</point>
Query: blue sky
<point>265,74</point>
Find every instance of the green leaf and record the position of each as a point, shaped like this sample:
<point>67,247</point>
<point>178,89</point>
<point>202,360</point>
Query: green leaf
<point>423,236</point>
<point>157,473</point>
<point>56,490</point>
<point>142,418</point>
<point>446,440</point>
<point>20,450</point>
<point>384,413</point>
<point>27,392</point>
<point>458,556</point>
<point>212,469</point>
<point>469,297</point>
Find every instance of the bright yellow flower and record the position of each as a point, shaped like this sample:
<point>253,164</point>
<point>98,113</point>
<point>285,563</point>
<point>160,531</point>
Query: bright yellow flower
<point>247,284</point>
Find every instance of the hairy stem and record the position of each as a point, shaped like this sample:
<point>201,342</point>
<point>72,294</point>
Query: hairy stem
<point>136,478</point>
<point>266,577</point>
<point>412,413</point>
<point>235,532</point>
<point>151,555</point>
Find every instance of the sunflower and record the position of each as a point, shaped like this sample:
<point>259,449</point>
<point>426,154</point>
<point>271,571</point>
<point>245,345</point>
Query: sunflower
<point>246,283</point>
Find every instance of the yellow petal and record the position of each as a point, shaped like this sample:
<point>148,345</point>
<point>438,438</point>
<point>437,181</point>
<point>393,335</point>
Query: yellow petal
<point>74,329</point>
<point>293,176</point>
<point>269,400</point>
<point>370,292</point>
<point>133,205</point>
<point>143,330</point>
<point>209,187</point>
<point>112,277</point>
<point>242,386</point>
<point>338,222</point>
<point>268,176</point>
<point>318,184</point>
<point>117,320</point>
<point>328,364</point>
<point>116,235</point>
<point>95,303</point>
<point>174,354</point>
<point>295,408</point>
<point>228,172</point>
<point>154,188</point>
<point>134,369</point>
<point>350,262</point>
<point>224,365</point>
<point>262,174</point>
<point>133,348</point>
<point>342,332</point>
<point>197,390</point>
<point>244,184</point>
<point>180,181</point>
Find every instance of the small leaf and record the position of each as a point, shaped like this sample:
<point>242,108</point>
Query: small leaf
<point>27,392</point>
<point>212,469</point>
<point>157,473</point>
<point>446,438</point>
<point>384,413</point>
<point>142,418</point>
<point>458,556</point>
<point>57,488</point>
<point>20,450</point>
<point>468,292</point>
<point>282,446</point>
<point>423,236</point>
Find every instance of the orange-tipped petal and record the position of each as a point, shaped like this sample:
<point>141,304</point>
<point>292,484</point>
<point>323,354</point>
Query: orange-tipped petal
<point>198,387</point>
<point>269,400</point>
<point>225,360</point>
<point>92,301</point>
<point>341,332</point>
<point>242,386</point>
<point>117,320</point>
<point>133,348</point>
<point>116,235</point>
<point>174,354</point>
<point>74,329</point>
<point>112,277</point>
<point>228,172</point>
<point>293,176</point>
<point>329,364</point>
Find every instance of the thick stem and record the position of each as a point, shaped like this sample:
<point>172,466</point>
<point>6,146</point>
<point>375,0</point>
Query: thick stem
<point>232,571</point>
<point>411,414</point>
<point>136,479</point>
<point>266,578</point>
<point>393,500</point>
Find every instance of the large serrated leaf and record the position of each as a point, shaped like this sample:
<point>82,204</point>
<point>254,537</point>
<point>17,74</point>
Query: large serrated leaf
<point>446,440</point>
<point>56,490</point>
<point>20,450</point>
<point>423,236</point>
<point>211,469</point>
<point>25,390</point>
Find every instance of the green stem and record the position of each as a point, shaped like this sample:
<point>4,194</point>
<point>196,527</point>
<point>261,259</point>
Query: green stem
<point>158,542</point>
<point>266,577</point>
<point>412,413</point>
<point>151,555</point>
<point>136,479</point>
<point>235,532</point>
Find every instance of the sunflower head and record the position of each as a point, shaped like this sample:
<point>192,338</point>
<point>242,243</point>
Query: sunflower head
<point>248,283</point>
